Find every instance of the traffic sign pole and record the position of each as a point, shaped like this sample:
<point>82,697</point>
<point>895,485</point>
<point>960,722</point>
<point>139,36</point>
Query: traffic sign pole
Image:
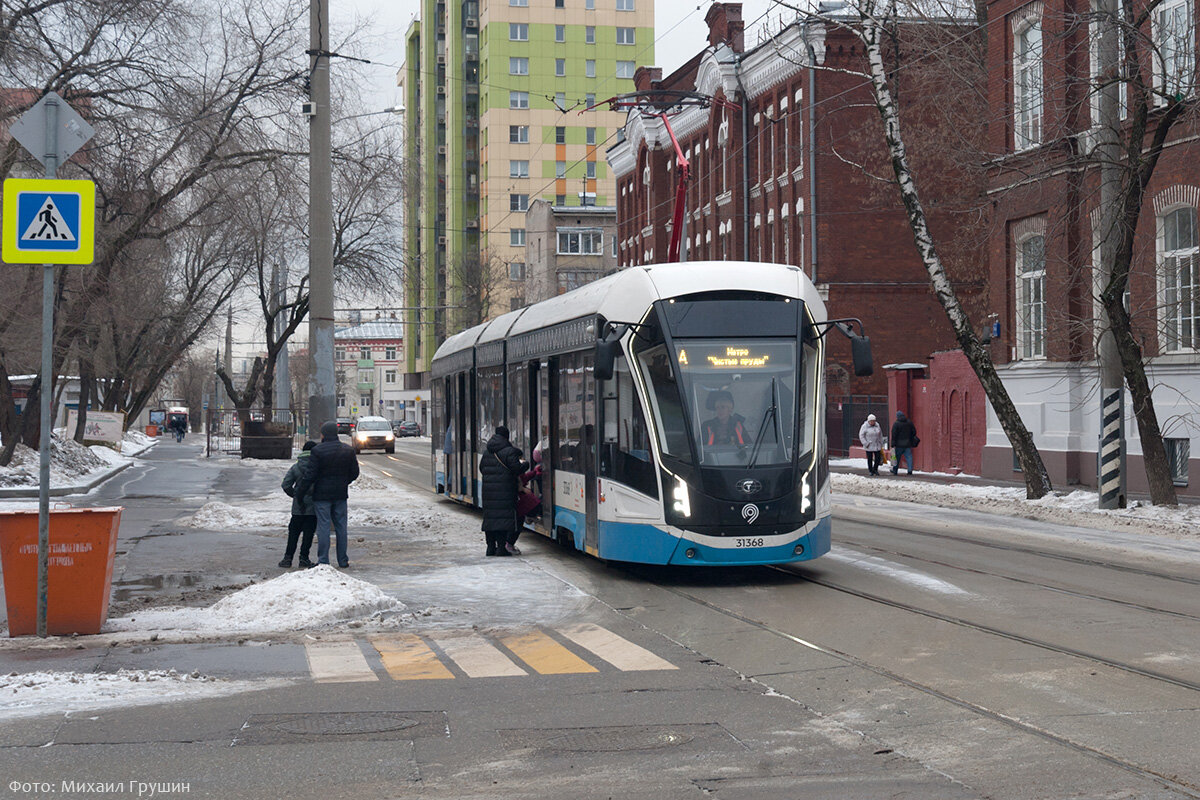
<point>44,390</point>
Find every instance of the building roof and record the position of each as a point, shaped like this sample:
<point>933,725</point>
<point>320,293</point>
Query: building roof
<point>378,329</point>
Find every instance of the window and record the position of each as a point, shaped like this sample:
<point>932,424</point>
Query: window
<point>560,134</point>
<point>625,36</point>
<point>560,3</point>
<point>339,354</point>
<point>580,242</point>
<point>518,202</point>
<point>560,67</point>
<point>518,66</point>
<point>1094,57</point>
<point>1027,87</point>
<point>1178,453</point>
<point>589,100</point>
<point>591,169</point>
<point>589,5</point>
<point>625,69</point>
<point>518,169</point>
<point>516,270</point>
<point>515,302</point>
<point>624,5</point>
<point>389,376</point>
<point>341,401</point>
<point>1031,298</point>
<point>518,134</point>
<point>560,199</point>
<point>518,99</point>
<point>589,34</point>
<point>560,33</point>
<point>1179,267</point>
<point>625,448</point>
<point>522,3</point>
<point>389,353</point>
<point>364,400</point>
<point>590,68</point>
<point>1175,40</point>
<point>560,169</point>
<point>364,352</point>
<point>518,31</point>
<point>516,237</point>
<point>591,135</point>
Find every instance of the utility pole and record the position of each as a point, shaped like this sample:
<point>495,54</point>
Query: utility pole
<point>321,406</point>
<point>1112,388</point>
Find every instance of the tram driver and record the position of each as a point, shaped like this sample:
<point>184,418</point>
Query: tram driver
<point>726,428</point>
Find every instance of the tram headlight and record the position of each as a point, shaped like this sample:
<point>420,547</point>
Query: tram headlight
<point>805,493</point>
<point>683,501</point>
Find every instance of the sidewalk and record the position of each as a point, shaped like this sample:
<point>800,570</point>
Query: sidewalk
<point>80,484</point>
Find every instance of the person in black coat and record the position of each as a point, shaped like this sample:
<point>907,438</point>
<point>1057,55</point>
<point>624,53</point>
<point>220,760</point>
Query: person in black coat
<point>904,439</point>
<point>500,466</point>
<point>332,466</point>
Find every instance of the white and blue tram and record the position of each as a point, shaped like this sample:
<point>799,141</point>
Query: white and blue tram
<point>678,411</point>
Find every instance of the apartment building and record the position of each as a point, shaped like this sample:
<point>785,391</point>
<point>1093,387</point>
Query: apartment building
<point>494,91</point>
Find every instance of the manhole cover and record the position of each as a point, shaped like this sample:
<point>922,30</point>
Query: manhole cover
<point>615,741</point>
<point>340,724</point>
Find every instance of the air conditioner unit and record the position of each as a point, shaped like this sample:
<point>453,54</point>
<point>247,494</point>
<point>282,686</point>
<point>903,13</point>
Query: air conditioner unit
<point>441,150</point>
<point>471,22</point>
<point>441,90</point>
<point>441,241</point>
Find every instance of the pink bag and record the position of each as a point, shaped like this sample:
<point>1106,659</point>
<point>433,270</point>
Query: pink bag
<point>527,502</point>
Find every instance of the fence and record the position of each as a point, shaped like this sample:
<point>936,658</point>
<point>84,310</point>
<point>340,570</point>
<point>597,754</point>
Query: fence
<point>845,415</point>
<point>266,433</point>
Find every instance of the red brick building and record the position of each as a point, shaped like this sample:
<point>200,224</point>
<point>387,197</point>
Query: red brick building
<point>1045,238</point>
<point>781,164</point>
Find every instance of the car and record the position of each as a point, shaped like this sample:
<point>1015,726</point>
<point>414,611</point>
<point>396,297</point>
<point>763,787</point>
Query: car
<point>345,425</point>
<point>373,433</point>
<point>406,427</point>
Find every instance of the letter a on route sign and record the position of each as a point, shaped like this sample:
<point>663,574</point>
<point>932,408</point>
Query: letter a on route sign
<point>49,221</point>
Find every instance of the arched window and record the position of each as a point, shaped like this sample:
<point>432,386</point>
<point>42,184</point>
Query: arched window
<point>1027,85</point>
<point>1178,266</point>
<point>1031,297</point>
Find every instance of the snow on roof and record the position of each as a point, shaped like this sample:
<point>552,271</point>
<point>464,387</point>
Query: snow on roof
<point>378,329</point>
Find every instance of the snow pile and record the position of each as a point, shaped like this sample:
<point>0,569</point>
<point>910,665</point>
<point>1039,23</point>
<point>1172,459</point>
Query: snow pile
<point>263,515</point>
<point>301,599</point>
<point>69,461</point>
<point>1073,508</point>
<point>34,693</point>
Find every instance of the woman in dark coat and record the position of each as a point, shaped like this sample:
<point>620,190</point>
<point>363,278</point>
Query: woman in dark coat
<point>501,465</point>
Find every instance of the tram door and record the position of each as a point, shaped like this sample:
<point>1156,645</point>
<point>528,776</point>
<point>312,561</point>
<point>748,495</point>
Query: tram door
<point>462,437</point>
<point>589,441</point>
<point>546,433</point>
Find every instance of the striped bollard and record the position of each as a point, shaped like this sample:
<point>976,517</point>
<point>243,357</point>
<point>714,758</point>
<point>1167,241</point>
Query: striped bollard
<point>1112,456</point>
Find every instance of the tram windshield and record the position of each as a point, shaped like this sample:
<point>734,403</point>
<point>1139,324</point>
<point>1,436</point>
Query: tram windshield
<point>739,399</point>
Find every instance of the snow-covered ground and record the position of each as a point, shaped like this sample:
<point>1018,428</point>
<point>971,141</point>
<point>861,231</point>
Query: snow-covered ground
<point>71,463</point>
<point>1077,508</point>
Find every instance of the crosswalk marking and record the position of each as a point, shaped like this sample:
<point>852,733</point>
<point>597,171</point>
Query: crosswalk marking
<point>621,653</point>
<point>407,658</point>
<point>477,657</point>
<point>545,655</point>
<point>338,662</point>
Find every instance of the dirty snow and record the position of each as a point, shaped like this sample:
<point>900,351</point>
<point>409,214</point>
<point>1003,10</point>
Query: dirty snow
<point>307,598</point>
<point>70,462</point>
<point>36,693</point>
<point>1076,508</point>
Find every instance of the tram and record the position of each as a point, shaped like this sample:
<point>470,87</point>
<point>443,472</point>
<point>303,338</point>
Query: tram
<point>678,412</point>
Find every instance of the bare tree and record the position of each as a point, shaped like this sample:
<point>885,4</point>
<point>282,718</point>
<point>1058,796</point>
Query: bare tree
<point>881,30</point>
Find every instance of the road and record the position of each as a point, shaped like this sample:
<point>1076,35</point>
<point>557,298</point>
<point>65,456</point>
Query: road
<point>932,654</point>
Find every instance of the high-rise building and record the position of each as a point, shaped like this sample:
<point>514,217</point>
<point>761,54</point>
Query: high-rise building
<point>497,93</point>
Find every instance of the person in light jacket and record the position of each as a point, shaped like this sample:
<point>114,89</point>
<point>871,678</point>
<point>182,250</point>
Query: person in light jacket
<point>871,436</point>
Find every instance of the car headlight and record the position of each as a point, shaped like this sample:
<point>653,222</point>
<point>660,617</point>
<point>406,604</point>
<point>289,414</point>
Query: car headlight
<point>389,436</point>
<point>360,435</point>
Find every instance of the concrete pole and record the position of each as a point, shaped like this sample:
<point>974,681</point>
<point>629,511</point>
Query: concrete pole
<point>1112,389</point>
<point>321,405</point>
<point>45,389</point>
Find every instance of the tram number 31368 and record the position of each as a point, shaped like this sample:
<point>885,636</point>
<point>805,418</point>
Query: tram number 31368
<point>748,543</point>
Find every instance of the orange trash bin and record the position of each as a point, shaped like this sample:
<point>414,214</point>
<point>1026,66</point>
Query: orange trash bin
<point>83,542</point>
<point>152,430</point>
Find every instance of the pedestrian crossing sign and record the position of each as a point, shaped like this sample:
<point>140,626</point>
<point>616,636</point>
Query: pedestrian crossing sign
<point>49,221</point>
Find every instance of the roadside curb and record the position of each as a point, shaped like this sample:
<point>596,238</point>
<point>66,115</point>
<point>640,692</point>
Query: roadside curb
<point>79,488</point>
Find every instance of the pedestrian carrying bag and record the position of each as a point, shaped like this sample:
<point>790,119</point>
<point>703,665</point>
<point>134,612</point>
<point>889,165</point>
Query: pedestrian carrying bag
<point>916,440</point>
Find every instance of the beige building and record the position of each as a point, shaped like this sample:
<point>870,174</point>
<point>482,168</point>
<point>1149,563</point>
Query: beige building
<point>566,247</point>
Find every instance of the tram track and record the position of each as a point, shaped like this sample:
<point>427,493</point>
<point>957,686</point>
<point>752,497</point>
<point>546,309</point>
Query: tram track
<point>1168,782</point>
<point>1026,582</point>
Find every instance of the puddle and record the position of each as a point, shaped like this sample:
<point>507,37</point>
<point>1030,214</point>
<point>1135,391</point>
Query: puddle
<point>131,587</point>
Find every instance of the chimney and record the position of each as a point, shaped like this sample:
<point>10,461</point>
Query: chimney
<point>644,78</point>
<point>725,26</point>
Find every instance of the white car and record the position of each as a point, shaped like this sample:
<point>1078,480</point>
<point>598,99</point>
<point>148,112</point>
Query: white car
<point>373,433</point>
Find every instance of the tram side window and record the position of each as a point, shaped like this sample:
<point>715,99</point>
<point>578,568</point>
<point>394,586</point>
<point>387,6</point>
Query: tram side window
<point>518,407</point>
<point>665,403</point>
<point>490,391</point>
<point>438,410</point>
<point>625,456</point>
<point>570,412</point>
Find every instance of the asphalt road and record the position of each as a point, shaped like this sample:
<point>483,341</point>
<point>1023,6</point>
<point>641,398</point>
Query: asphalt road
<point>930,655</point>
